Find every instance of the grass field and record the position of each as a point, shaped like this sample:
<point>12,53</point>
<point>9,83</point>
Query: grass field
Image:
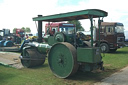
<point>42,75</point>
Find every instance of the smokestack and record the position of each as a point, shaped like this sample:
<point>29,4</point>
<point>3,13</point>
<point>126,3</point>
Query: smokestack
<point>39,30</point>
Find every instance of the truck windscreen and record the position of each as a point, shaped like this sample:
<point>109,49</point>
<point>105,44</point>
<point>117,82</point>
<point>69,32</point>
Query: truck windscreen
<point>119,29</point>
<point>67,30</point>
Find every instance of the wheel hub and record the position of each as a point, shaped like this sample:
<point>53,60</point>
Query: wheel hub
<point>103,48</point>
<point>62,60</point>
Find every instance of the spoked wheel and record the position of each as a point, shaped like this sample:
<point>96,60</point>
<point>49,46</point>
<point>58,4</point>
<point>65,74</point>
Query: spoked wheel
<point>63,60</point>
<point>32,58</point>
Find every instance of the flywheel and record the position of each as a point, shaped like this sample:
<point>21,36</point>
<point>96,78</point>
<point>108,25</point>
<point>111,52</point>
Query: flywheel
<point>59,37</point>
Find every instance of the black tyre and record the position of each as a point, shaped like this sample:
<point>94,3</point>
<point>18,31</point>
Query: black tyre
<point>113,50</point>
<point>104,47</point>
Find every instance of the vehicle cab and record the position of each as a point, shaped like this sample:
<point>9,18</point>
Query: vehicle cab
<point>112,35</point>
<point>60,31</point>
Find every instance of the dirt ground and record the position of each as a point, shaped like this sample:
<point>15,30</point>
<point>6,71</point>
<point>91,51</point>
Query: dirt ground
<point>10,58</point>
<point>118,78</point>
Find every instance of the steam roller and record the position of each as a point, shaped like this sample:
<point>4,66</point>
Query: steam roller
<point>65,50</point>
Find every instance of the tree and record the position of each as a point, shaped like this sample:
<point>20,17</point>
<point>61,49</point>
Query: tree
<point>27,29</point>
<point>77,24</point>
<point>23,28</point>
<point>14,30</point>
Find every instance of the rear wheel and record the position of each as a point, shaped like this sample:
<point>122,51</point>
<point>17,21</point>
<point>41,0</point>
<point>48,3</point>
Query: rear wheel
<point>104,47</point>
<point>63,60</point>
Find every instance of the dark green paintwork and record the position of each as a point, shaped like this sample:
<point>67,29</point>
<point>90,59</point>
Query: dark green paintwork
<point>83,14</point>
<point>43,48</point>
<point>69,38</point>
<point>91,20</point>
<point>88,55</point>
<point>62,59</point>
<point>51,40</point>
<point>59,37</point>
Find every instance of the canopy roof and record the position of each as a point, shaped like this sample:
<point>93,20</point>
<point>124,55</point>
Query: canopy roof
<point>111,23</point>
<point>83,14</point>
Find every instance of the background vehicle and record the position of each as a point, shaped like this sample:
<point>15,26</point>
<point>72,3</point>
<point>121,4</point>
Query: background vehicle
<point>111,36</point>
<point>20,33</point>
<point>65,49</point>
<point>18,36</point>
<point>9,39</point>
<point>52,28</point>
<point>5,38</point>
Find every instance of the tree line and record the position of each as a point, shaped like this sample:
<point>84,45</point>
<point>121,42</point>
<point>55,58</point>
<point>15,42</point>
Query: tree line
<point>77,24</point>
<point>27,29</point>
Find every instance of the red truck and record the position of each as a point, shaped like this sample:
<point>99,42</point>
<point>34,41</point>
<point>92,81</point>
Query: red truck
<point>52,28</point>
<point>20,33</point>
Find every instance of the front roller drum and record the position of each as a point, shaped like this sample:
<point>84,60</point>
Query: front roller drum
<point>32,58</point>
<point>62,60</point>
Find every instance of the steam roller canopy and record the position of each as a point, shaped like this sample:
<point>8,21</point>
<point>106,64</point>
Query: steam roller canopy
<point>32,58</point>
<point>62,60</point>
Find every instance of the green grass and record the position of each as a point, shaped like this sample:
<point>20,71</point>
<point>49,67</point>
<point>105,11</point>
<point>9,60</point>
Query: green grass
<point>42,75</point>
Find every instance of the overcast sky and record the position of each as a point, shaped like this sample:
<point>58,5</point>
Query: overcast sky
<point>19,13</point>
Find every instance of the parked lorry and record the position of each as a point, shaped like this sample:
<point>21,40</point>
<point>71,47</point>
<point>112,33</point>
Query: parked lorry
<point>18,36</point>
<point>111,36</point>
<point>8,39</point>
<point>66,51</point>
<point>20,33</point>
